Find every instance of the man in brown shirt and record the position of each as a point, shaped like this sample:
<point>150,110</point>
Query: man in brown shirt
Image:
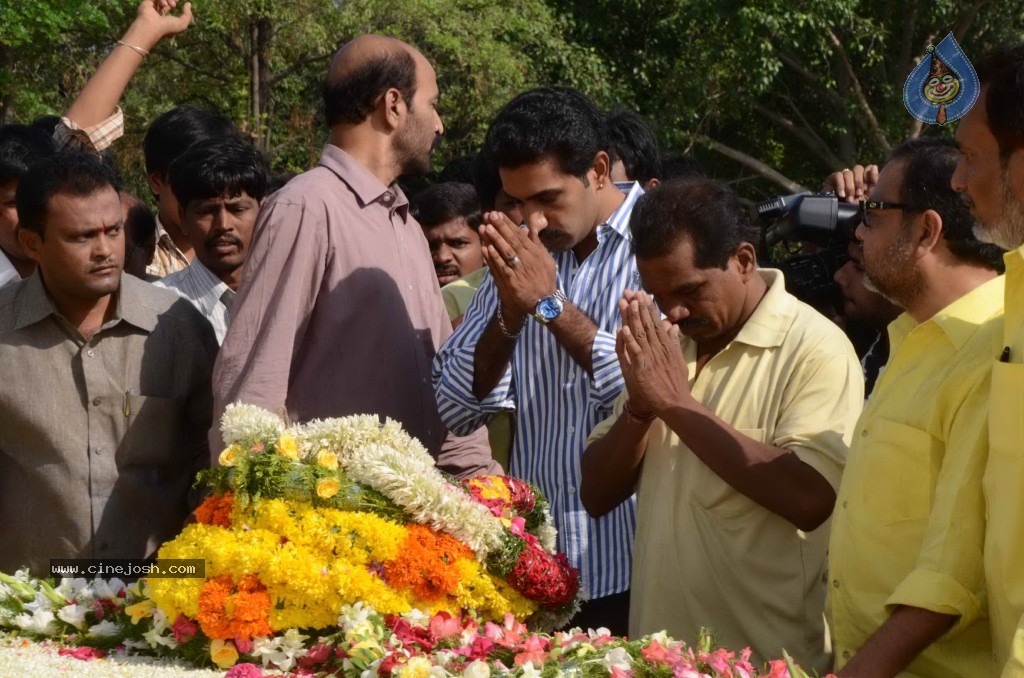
<point>339,311</point>
<point>105,389</point>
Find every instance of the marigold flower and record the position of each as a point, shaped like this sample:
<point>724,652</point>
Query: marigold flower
<point>327,459</point>
<point>327,487</point>
<point>216,510</point>
<point>288,447</point>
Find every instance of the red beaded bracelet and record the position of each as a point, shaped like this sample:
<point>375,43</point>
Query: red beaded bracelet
<point>628,410</point>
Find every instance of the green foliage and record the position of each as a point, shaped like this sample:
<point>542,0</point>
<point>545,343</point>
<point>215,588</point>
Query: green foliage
<point>803,87</point>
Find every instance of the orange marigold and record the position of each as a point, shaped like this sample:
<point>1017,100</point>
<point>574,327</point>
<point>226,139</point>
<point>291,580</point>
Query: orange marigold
<point>426,563</point>
<point>216,510</point>
<point>234,610</point>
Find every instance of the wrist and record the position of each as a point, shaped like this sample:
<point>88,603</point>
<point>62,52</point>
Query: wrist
<point>510,322</point>
<point>637,416</point>
<point>142,37</point>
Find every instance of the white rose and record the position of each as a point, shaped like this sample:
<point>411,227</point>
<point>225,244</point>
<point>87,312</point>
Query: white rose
<point>478,669</point>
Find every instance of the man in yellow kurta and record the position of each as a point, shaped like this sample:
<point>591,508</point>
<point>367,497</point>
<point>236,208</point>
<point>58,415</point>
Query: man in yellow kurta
<point>734,435</point>
<point>906,585</point>
<point>991,176</point>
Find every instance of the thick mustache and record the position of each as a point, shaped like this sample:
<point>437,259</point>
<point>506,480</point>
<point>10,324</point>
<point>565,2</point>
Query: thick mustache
<point>110,263</point>
<point>692,323</point>
<point>224,238</point>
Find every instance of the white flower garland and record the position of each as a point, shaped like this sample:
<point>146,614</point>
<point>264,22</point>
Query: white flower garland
<point>389,460</point>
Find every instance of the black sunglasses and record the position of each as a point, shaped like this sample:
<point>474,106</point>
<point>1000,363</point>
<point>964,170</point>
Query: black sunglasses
<point>867,206</point>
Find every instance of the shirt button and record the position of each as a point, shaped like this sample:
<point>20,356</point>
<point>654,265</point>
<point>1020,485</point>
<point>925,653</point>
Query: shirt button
<point>835,583</point>
<point>96,401</point>
<point>844,503</point>
<point>846,654</point>
<point>410,286</point>
<point>99,450</point>
<point>567,385</point>
<point>89,353</point>
<point>572,429</point>
<point>864,433</point>
<point>572,490</point>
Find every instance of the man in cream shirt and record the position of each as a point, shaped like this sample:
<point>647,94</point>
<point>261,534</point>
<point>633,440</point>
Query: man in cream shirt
<point>734,436</point>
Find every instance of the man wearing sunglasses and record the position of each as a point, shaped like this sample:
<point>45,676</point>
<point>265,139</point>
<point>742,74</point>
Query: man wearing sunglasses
<point>903,574</point>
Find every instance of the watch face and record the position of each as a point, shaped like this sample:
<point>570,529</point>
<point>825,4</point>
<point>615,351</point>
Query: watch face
<point>549,308</point>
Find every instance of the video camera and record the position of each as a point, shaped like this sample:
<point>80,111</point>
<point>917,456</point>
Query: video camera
<point>823,224</point>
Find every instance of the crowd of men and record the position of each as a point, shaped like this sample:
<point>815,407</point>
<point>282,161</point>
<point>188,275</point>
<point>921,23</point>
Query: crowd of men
<point>566,306</point>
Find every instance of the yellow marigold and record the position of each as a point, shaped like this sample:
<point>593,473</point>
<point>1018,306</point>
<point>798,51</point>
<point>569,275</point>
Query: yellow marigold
<point>229,457</point>
<point>287,446</point>
<point>327,487</point>
<point>327,459</point>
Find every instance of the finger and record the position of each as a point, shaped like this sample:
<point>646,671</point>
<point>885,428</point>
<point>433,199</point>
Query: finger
<point>632,346</point>
<point>501,246</point>
<point>636,326</point>
<point>834,182</point>
<point>496,263</point>
<point>859,189</point>
<point>620,349</point>
<point>870,178</point>
<point>512,234</point>
<point>186,16</point>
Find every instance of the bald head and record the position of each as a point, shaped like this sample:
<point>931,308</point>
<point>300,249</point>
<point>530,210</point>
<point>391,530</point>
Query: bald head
<point>362,71</point>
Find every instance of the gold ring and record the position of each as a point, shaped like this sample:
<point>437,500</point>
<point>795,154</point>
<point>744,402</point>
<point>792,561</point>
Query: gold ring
<point>847,169</point>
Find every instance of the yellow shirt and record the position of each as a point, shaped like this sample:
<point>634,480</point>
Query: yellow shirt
<point>908,526</point>
<point>706,555</point>
<point>1004,483</point>
<point>457,295</point>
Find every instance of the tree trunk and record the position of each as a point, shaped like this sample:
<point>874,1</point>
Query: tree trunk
<point>260,35</point>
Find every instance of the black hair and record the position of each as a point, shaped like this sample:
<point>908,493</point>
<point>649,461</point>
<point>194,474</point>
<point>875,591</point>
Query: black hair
<point>177,130</point>
<point>352,98</point>
<point>680,166</point>
<point>709,212</point>
<point>632,141</point>
<point>139,222</point>
<point>20,147</point>
<point>929,166</point>
<point>548,121</point>
<point>46,123</point>
<point>1003,72</point>
<point>226,166</point>
<point>73,173</point>
<point>446,201</point>
<point>474,169</point>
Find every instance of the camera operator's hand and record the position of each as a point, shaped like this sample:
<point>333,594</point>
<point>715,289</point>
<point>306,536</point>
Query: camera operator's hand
<point>852,184</point>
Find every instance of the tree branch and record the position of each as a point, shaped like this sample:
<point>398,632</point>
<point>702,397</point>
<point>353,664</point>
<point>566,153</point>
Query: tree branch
<point>808,137</point>
<point>171,56</point>
<point>753,164</point>
<point>858,93</point>
<point>299,63</point>
<point>967,20</point>
<point>909,28</point>
<point>830,95</point>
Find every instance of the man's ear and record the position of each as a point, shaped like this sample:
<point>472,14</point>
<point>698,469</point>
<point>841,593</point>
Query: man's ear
<point>928,232</point>
<point>31,243</point>
<point>746,257</point>
<point>652,184</point>
<point>156,182</point>
<point>394,108</point>
<point>602,169</point>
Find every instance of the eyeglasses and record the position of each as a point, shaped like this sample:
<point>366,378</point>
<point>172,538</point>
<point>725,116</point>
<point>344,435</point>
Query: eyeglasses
<point>868,206</point>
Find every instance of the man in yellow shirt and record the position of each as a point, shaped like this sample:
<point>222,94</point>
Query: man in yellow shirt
<point>991,177</point>
<point>734,436</point>
<point>905,571</point>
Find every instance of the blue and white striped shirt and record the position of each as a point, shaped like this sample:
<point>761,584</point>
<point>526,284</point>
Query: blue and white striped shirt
<point>556,403</point>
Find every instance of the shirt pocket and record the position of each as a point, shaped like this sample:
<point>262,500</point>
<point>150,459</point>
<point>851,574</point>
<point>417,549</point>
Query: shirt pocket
<point>896,479</point>
<point>1006,410</point>
<point>152,435</point>
<point>712,493</point>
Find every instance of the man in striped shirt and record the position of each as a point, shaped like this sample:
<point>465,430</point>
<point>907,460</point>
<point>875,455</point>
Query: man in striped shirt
<point>219,185</point>
<point>538,338</point>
